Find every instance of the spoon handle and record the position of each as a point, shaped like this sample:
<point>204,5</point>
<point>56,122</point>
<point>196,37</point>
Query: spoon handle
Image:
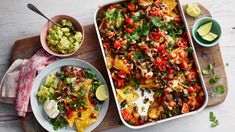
<point>35,9</point>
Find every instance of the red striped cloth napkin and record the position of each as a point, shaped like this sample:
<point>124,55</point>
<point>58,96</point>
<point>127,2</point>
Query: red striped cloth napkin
<point>17,82</point>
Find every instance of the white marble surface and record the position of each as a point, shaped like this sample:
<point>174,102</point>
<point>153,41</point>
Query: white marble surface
<point>17,22</point>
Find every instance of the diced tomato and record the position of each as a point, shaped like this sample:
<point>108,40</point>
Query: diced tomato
<point>125,115</point>
<point>191,90</point>
<point>155,36</point>
<point>119,83</point>
<point>129,21</point>
<point>131,54</point>
<point>157,3</point>
<point>185,36</point>
<point>144,47</point>
<point>70,114</point>
<point>170,73</point>
<point>154,12</point>
<point>106,46</point>
<point>66,106</point>
<point>182,43</point>
<point>178,19</point>
<point>129,30</point>
<point>157,61</point>
<point>200,99</point>
<point>166,55</point>
<point>167,90</point>
<point>162,66</point>
<point>197,106</point>
<point>122,74</point>
<point>118,44</point>
<point>191,75</point>
<point>161,48</point>
<point>133,47</point>
<point>131,7</point>
<point>184,65</point>
<point>185,108</point>
<point>196,86</point>
<point>80,73</point>
<point>112,6</point>
<point>183,55</point>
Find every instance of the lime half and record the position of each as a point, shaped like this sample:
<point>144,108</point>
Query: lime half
<point>101,93</point>
<point>204,29</point>
<point>210,36</point>
<point>193,10</point>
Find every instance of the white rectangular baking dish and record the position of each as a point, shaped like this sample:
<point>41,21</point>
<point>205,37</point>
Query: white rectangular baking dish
<point>194,56</point>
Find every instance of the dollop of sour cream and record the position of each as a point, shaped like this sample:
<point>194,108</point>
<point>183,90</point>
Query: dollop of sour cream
<point>51,108</point>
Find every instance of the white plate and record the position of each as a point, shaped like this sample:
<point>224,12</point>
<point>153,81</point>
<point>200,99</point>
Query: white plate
<point>37,108</point>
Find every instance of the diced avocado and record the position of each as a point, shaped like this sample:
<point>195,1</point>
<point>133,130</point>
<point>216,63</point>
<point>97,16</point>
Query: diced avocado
<point>51,81</point>
<point>61,40</point>
<point>43,94</point>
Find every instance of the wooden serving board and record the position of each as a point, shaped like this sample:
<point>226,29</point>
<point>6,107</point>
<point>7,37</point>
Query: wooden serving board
<point>90,51</point>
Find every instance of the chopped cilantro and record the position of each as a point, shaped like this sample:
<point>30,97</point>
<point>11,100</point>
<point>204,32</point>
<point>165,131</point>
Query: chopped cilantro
<point>127,91</point>
<point>156,21</point>
<point>137,55</point>
<point>58,122</point>
<point>214,79</point>
<point>205,72</point>
<point>152,42</point>
<point>213,120</point>
<point>159,91</point>
<point>218,90</point>
<point>211,69</point>
<point>134,1</point>
<point>190,49</point>
<point>133,83</point>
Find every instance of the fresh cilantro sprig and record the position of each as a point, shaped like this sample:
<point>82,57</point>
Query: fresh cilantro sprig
<point>214,79</point>
<point>218,90</point>
<point>209,70</point>
<point>214,121</point>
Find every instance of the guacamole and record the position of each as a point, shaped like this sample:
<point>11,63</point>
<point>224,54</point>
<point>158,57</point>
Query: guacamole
<point>61,40</point>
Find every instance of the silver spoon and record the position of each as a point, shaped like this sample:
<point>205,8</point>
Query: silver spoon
<point>35,9</point>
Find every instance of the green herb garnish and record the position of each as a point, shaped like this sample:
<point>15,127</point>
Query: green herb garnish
<point>127,91</point>
<point>213,120</point>
<point>214,79</point>
<point>190,49</point>
<point>135,84</point>
<point>156,21</point>
<point>58,122</point>
<point>218,90</point>
<point>205,72</point>
<point>159,91</point>
<point>137,55</point>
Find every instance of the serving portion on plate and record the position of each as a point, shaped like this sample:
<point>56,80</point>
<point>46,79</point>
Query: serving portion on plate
<point>69,94</point>
<point>151,61</point>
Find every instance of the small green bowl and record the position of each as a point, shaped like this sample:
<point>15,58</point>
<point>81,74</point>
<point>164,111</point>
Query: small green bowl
<point>216,29</point>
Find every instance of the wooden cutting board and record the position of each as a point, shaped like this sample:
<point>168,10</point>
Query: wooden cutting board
<point>90,52</point>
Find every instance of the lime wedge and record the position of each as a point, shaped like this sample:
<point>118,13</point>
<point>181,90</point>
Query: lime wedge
<point>101,93</point>
<point>210,36</point>
<point>204,29</point>
<point>193,10</point>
